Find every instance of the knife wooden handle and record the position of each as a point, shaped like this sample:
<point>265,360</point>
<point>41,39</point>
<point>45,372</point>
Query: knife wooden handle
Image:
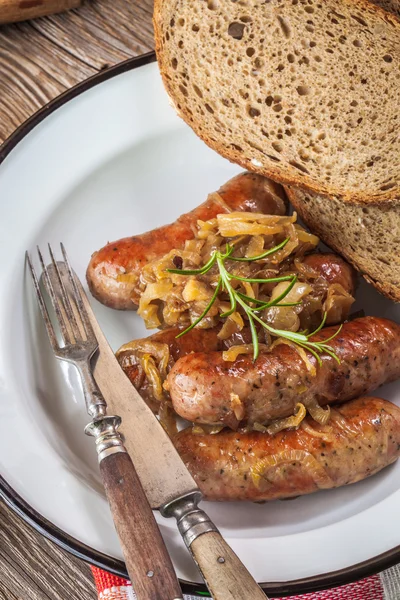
<point>147,561</point>
<point>225,575</point>
<point>20,10</point>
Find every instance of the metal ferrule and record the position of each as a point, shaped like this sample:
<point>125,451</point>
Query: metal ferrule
<point>108,440</point>
<point>191,520</point>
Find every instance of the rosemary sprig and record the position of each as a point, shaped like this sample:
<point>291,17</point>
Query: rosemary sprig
<point>264,254</point>
<point>247,302</point>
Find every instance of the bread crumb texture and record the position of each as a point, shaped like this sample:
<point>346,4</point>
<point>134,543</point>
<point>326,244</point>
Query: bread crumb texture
<point>304,91</point>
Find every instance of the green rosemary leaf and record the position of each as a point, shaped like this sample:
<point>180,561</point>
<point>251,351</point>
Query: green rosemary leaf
<point>269,280</point>
<point>329,350</point>
<point>254,337</point>
<point>227,286</point>
<point>201,271</point>
<point>313,352</point>
<point>263,255</point>
<point>288,335</point>
<point>232,308</point>
<point>320,325</point>
<point>282,295</point>
<point>250,299</point>
<point>209,305</point>
<point>262,303</point>
<point>228,251</point>
<point>329,339</point>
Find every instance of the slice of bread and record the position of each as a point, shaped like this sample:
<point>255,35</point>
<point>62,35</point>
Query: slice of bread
<point>367,236</point>
<point>392,6</point>
<point>304,91</point>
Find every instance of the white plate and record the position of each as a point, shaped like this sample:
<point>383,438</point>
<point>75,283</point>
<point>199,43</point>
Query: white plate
<point>111,162</point>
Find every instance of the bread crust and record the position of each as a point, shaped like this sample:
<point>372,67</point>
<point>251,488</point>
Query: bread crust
<point>392,6</point>
<point>276,173</point>
<point>388,290</point>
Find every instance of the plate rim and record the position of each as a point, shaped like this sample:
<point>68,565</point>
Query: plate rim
<point>95,557</point>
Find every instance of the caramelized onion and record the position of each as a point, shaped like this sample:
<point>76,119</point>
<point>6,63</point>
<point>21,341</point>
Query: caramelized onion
<point>174,299</point>
<point>255,246</point>
<point>237,406</point>
<point>207,429</point>
<point>319,414</point>
<point>153,291</point>
<point>233,324</point>
<point>153,375</point>
<point>286,423</point>
<point>233,352</point>
<point>158,350</point>
<point>306,237</point>
<point>271,463</point>
<point>196,290</point>
<point>305,269</point>
<point>337,304</point>
<point>285,317</point>
<point>326,434</point>
<point>246,223</point>
<point>167,418</point>
<point>301,352</point>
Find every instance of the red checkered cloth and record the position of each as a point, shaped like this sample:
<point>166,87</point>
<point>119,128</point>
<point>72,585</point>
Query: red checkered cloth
<point>385,586</point>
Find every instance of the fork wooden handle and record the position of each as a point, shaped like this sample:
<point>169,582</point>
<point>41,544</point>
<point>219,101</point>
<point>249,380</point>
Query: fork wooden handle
<point>20,10</point>
<point>147,561</point>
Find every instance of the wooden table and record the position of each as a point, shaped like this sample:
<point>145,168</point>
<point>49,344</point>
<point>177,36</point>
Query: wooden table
<point>39,60</point>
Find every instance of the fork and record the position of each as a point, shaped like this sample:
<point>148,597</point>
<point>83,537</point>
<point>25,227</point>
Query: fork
<point>147,560</point>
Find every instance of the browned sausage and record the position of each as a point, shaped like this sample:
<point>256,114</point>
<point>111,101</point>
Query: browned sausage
<point>334,281</point>
<point>204,388</point>
<point>195,340</point>
<point>361,438</point>
<point>333,268</point>
<point>114,271</point>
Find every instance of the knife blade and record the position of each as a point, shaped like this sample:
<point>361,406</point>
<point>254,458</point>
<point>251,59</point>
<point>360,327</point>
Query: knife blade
<point>168,484</point>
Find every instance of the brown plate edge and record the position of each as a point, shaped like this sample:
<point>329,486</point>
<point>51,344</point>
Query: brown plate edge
<point>94,557</point>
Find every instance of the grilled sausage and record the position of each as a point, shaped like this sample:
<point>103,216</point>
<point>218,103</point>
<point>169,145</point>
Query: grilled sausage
<point>334,269</point>
<point>361,438</point>
<point>201,340</point>
<point>204,388</point>
<point>338,297</point>
<point>114,271</point>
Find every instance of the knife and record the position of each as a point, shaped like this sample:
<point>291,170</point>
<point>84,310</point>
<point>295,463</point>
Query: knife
<point>168,485</point>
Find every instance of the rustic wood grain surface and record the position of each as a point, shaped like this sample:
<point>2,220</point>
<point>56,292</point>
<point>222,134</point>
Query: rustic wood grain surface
<point>32,568</point>
<point>39,60</point>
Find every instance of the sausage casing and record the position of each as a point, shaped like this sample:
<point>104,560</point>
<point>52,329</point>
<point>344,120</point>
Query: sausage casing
<point>114,271</point>
<point>361,438</point>
<point>201,340</point>
<point>333,268</point>
<point>204,388</point>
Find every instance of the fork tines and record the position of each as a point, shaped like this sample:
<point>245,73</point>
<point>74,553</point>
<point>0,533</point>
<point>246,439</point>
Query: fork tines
<point>61,285</point>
